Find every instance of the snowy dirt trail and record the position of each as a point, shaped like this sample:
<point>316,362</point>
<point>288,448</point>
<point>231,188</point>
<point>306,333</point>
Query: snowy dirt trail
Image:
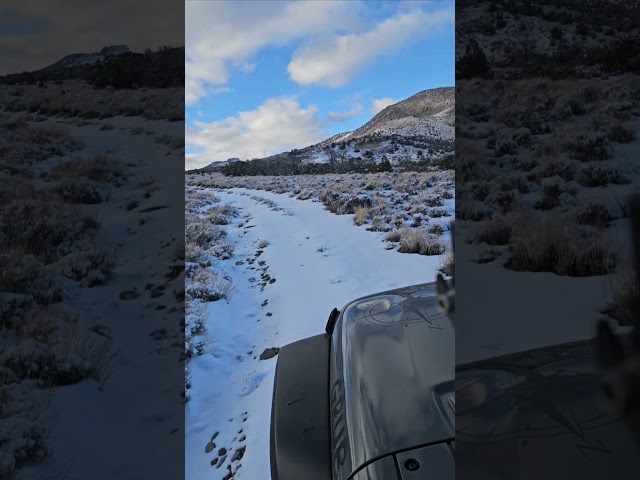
<point>284,291</point>
<point>145,326</point>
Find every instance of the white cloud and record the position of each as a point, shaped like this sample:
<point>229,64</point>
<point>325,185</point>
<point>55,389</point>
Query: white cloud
<point>336,60</point>
<point>225,35</point>
<point>341,116</point>
<point>379,104</point>
<point>277,125</point>
<point>72,26</point>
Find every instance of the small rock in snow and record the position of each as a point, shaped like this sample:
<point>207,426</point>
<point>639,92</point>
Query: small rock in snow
<point>129,295</point>
<point>269,353</point>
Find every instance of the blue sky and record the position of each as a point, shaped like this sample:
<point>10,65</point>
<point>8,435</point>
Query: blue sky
<point>267,76</point>
<point>35,34</point>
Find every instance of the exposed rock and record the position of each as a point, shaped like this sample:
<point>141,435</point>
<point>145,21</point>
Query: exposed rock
<point>269,353</point>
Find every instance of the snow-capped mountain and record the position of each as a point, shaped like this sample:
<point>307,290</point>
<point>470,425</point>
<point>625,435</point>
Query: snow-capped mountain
<point>77,59</point>
<point>417,130</point>
<point>430,113</point>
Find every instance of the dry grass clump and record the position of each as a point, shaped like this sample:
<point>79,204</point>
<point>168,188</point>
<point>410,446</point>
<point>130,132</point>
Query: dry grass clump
<point>555,243</point>
<point>85,181</point>
<point>393,236</point>
<point>100,168</point>
<point>421,242</point>
<point>361,216</point>
<point>495,231</point>
<point>595,214</point>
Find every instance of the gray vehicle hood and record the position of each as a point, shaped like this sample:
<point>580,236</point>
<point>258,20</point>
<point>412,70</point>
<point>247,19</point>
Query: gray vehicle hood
<point>391,378</point>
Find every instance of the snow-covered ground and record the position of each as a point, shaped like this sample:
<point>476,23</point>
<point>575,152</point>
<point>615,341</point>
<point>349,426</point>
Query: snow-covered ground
<point>293,262</point>
<point>127,423</point>
<point>578,199</point>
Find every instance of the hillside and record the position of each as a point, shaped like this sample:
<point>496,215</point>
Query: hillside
<point>414,134</point>
<point>114,66</point>
<point>434,105</point>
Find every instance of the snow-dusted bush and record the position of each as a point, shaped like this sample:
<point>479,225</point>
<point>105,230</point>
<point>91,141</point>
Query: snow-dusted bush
<point>25,274</point>
<point>556,193</point>
<point>306,194</point>
<point>552,168</point>
<point>380,224</point>
<point>55,349</point>
<point>599,176</point>
<point>195,200</point>
<point>24,428</point>
<point>595,214</point>
<point>501,143</point>
<point>436,229</point>
<point>345,203</point>
<point>89,267</point>
<point>588,146</point>
<point>621,134</point>
<point>25,144</point>
<point>84,101</point>
<point>206,285</point>
<point>221,214</point>
<point>203,234</point>
<point>47,229</point>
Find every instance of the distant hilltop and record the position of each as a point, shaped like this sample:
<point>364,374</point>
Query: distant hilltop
<point>417,132</point>
<point>76,59</point>
<point>113,66</point>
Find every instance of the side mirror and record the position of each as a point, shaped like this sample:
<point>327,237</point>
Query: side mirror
<point>331,323</point>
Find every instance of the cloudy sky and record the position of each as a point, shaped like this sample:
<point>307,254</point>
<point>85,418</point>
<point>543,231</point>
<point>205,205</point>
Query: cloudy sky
<point>37,33</point>
<point>263,77</point>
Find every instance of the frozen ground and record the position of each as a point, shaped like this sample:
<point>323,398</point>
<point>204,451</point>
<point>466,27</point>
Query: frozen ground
<point>293,262</point>
<point>546,156</point>
<point>96,429</point>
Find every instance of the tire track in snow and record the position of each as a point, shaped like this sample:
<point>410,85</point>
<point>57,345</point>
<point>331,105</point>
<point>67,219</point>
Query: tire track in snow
<point>319,261</point>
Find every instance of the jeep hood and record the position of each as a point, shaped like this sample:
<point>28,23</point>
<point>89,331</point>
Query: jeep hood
<point>391,378</point>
